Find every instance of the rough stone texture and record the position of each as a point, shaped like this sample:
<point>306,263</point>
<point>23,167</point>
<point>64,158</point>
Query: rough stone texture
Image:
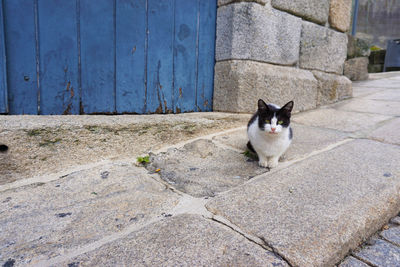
<point>357,47</point>
<point>344,121</point>
<point>43,219</point>
<point>226,2</point>
<point>239,84</point>
<point>202,169</point>
<point>388,132</point>
<point>313,10</point>
<point>41,145</point>
<point>237,139</point>
<point>313,213</point>
<point>392,234</point>
<point>353,262</point>
<point>370,106</point>
<point>356,69</point>
<point>340,14</point>
<point>256,32</point>
<point>322,49</point>
<point>184,240</point>
<point>306,139</point>
<point>332,87</point>
<point>381,253</point>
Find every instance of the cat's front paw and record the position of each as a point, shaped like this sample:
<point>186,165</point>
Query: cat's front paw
<point>263,163</point>
<point>272,163</point>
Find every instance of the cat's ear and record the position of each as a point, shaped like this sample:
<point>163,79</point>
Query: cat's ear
<point>287,108</point>
<point>262,105</point>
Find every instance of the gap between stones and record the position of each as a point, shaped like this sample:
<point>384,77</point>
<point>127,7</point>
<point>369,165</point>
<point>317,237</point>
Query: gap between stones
<point>191,205</point>
<point>362,260</point>
<point>92,246</point>
<point>262,243</point>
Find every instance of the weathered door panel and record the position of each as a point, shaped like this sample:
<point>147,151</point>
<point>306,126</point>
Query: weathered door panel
<point>131,56</point>
<point>97,41</point>
<point>3,75</point>
<point>160,56</point>
<point>20,36</point>
<point>58,38</point>
<point>185,55</point>
<point>206,52</point>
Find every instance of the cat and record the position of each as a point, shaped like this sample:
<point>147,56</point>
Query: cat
<point>269,132</point>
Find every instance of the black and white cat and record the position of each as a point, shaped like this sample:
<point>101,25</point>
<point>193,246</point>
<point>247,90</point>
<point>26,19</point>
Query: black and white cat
<point>270,133</point>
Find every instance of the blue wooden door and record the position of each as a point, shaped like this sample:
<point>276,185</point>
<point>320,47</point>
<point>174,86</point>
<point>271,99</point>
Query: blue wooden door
<point>3,77</point>
<point>107,56</point>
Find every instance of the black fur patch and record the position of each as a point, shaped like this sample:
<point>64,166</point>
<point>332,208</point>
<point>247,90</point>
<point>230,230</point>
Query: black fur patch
<point>250,147</point>
<point>266,112</point>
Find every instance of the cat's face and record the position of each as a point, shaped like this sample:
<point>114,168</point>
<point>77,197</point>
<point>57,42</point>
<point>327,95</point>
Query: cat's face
<point>273,119</point>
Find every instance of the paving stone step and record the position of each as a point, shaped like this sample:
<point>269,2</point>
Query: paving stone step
<point>43,220</point>
<point>202,169</point>
<point>183,240</point>
<point>314,212</point>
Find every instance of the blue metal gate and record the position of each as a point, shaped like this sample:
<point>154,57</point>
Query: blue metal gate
<point>106,56</point>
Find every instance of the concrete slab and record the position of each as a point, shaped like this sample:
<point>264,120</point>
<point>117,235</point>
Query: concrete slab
<point>392,234</point>
<point>359,91</point>
<point>388,132</point>
<point>44,219</point>
<point>353,262</point>
<point>389,108</point>
<point>314,212</point>
<point>40,145</point>
<point>344,121</point>
<point>184,240</point>
<point>306,139</point>
<point>203,169</point>
<point>381,253</point>
<point>384,75</point>
<point>389,95</point>
<point>382,83</point>
<point>236,140</point>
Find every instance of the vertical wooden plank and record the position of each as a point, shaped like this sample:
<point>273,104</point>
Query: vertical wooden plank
<point>206,54</point>
<point>3,76</point>
<point>160,56</point>
<point>21,56</point>
<point>58,57</point>
<point>97,56</point>
<point>130,53</point>
<point>185,66</point>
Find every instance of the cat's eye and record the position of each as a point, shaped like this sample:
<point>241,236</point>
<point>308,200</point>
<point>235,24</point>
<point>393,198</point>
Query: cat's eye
<point>267,121</point>
<point>280,122</point>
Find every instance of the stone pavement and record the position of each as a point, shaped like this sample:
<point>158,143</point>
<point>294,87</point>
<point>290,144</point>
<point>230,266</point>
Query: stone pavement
<point>201,201</point>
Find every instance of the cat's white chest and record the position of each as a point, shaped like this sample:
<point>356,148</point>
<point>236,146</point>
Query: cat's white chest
<point>266,144</point>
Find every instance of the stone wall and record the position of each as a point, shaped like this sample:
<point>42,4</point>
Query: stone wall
<point>280,50</point>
